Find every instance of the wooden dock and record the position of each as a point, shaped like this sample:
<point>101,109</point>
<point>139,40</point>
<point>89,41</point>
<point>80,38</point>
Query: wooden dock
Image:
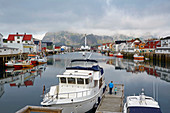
<point>112,103</point>
<point>30,109</point>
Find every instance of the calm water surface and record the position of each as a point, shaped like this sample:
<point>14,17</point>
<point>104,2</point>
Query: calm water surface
<point>19,88</point>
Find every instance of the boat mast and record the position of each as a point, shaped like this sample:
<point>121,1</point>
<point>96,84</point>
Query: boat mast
<point>85,41</point>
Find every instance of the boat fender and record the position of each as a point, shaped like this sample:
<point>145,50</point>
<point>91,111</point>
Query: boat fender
<point>99,100</point>
<point>43,89</point>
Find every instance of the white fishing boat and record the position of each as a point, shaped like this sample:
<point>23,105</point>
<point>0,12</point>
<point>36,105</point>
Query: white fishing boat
<point>80,87</point>
<point>141,104</point>
<point>119,55</point>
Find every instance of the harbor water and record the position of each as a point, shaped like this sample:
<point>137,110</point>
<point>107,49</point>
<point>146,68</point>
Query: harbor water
<point>19,88</point>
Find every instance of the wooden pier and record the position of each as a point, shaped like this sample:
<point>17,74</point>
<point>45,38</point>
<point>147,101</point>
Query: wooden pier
<point>29,109</point>
<point>112,103</point>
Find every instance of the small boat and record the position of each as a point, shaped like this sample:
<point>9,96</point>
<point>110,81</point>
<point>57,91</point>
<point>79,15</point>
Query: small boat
<point>80,87</point>
<point>33,58</point>
<point>18,66</point>
<point>141,104</point>
<point>27,64</point>
<point>42,60</point>
<point>119,55</point>
<point>110,54</point>
<point>138,57</point>
<point>10,63</point>
<point>24,64</point>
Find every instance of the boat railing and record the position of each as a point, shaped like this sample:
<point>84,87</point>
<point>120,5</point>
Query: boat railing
<point>70,95</point>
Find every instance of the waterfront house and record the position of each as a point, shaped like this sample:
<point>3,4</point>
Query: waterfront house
<point>133,45</point>
<point>1,40</point>
<point>165,46</point>
<point>24,42</point>
<point>151,45</point>
<point>119,45</point>
<point>6,50</point>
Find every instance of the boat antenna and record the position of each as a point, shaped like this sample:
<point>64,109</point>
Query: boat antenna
<point>85,41</point>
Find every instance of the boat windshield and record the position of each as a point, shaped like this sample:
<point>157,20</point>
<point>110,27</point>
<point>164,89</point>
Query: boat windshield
<point>143,110</point>
<point>82,63</point>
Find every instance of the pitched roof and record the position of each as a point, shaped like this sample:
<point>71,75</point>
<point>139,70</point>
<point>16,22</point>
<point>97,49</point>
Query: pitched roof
<point>25,37</point>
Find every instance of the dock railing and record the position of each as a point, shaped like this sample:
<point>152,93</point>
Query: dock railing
<point>29,109</point>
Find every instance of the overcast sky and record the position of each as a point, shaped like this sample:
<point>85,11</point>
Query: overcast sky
<point>102,17</point>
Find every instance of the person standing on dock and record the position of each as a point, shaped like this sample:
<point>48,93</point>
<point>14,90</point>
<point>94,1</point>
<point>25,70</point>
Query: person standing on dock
<point>115,89</point>
<point>111,87</point>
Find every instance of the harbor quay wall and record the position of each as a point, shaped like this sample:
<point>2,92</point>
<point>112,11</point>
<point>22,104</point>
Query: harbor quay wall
<point>6,58</point>
<point>151,56</point>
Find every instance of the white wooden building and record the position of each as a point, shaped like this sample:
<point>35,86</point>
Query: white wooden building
<point>6,50</point>
<point>165,46</point>
<point>24,42</point>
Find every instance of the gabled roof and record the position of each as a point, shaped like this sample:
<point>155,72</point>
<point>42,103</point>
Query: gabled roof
<point>25,37</point>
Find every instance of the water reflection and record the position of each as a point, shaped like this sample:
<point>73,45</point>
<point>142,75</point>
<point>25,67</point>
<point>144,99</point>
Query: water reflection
<point>139,67</point>
<point>19,78</point>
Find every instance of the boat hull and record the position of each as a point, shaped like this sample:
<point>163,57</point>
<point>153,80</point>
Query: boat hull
<point>34,62</point>
<point>111,55</point>
<point>81,107</point>
<point>10,65</point>
<point>27,66</point>
<point>119,56</point>
<point>138,58</point>
<point>18,66</point>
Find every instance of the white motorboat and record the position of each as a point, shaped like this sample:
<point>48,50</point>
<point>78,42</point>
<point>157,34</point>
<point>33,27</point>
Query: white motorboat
<point>80,87</point>
<point>42,60</point>
<point>141,104</point>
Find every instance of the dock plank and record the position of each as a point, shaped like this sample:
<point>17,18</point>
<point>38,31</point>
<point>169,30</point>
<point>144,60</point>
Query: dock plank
<point>112,103</point>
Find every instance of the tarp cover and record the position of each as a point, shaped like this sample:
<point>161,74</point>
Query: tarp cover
<point>143,110</point>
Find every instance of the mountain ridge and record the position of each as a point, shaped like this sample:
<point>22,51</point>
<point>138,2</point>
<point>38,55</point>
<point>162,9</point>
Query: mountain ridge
<point>77,39</point>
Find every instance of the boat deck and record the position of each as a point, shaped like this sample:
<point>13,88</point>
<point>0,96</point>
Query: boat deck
<point>112,103</point>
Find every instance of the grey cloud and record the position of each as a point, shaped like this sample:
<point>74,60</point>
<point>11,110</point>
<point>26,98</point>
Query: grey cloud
<point>93,16</point>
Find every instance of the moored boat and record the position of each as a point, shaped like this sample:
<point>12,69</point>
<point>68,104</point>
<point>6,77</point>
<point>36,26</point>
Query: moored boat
<point>141,104</point>
<point>33,58</point>
<point>119,55</point>
<point>18,65</point>
<point>42,60</point>
<point>110,54</point>
<point>80,87</point>
<point>138,57</point>
<point>10,64</point>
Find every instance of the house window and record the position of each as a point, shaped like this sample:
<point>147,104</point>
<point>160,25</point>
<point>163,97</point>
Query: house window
<point>10,41</point>
<point>26,41</point>
<point>18,41</point>
<point>4,49</point>
<point>18,37</point>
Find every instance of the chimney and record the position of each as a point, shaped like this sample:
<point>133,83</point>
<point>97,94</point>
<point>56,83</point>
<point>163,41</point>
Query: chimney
<point>24,33</point>
<point>17,33</point>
